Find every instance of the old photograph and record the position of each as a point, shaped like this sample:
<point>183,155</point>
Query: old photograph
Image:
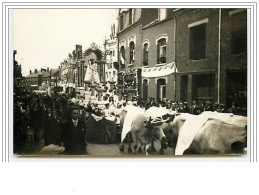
<point>130,83</point>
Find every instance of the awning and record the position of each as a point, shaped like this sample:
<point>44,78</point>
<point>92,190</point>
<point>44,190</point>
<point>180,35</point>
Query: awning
<point>159,71</point>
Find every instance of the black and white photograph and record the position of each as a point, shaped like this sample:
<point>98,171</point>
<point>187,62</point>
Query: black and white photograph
<point>130,82</point>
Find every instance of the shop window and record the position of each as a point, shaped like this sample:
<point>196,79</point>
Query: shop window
<point>239,32</point>
<point>145,54</point>
<point>161,51</point>
<point>132,52</point>
<point>197,42</point>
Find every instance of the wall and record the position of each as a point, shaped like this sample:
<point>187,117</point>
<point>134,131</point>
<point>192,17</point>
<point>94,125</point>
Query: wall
<point>151,33</point>
<point>134,29</point>
<point>187,66</point>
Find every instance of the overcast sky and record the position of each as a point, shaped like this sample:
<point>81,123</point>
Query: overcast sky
<point>44,37</point>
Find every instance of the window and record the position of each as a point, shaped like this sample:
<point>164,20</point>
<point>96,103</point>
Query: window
<point>113,53</point>
<point>122,55</point>
<point>121,22</point>
<point>238,32</point>
<point>161,89</point>
<point>145,89</point>
<point>198,42</point>
<point>145,54</point>
<point>132,52</point>
<point>130,17</point>
<point>161,51</point>
<point>162,14</point>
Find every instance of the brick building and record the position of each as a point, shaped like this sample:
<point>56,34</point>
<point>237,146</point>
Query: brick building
<point>211,54</point>
<point>130,55</point>
<point>208,47</point>
<point>41,79</point>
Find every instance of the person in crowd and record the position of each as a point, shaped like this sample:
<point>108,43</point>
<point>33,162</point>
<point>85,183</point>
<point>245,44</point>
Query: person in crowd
<point>106,110</point>
<point>208,106</point>
<point>173,107</point>
<point>53,129</point>
<point>169,105</point>
<point>202,107</point>
<point>73,134</point>
<point>186,108</point>
<point>180,108</point>
<point>222,108</point>
<point>233,108</point>
<point>163,104</point>
<point>216,107</point>
<point>195,109</point>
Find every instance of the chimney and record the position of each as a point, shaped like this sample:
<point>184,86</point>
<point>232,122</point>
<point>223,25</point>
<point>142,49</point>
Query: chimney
<point>30,71</point>
<point>78,47</point>
<point>59,67</point>
<point>48,69</point>
<point>35,71</point>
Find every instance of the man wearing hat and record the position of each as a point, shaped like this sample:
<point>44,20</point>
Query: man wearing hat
<point>185,108</point>
<point>208,106</point>
<point>195,109</point>
<point>73,134</point>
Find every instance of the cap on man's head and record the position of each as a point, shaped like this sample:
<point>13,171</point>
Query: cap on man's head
<point>74,108</point>
<point>88,109</point>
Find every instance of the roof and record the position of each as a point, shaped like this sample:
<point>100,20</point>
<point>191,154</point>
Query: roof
<point>123,10</point>
<point>32,75</point>
<point>44,74</point>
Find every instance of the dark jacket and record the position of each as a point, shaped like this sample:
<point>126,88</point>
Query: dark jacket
<point>195,110</point>
<point>52,131</point>
<point>74,137</point>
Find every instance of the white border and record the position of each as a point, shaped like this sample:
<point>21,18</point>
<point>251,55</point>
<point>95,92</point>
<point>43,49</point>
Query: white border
<point>83,5</point>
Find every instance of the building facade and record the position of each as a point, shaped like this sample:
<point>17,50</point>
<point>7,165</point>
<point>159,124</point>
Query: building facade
<point>211,54</point>
<point>111,65</point>
<point>184,54</point>
<point>130,56</point>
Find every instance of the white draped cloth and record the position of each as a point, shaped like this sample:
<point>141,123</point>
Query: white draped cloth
<point>130,116</point>
<point>91,74</point>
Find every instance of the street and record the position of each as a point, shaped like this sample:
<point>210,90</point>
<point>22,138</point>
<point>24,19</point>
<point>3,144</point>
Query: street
<point>97,150</point>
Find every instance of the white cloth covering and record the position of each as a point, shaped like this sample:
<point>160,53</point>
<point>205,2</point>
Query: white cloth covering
<point>131,114</point>
<point>188,131</point>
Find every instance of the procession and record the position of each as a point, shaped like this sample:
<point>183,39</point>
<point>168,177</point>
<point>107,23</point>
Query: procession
<point>166,82</point>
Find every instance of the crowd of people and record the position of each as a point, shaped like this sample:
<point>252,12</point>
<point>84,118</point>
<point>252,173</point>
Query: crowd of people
<point>60,121</point>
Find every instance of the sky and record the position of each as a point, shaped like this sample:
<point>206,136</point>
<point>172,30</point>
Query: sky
<point>44,37</point>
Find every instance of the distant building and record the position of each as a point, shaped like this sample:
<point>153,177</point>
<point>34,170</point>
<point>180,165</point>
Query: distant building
<point>41,79</point>
<point>17,74</point>
<point>111,59</point>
